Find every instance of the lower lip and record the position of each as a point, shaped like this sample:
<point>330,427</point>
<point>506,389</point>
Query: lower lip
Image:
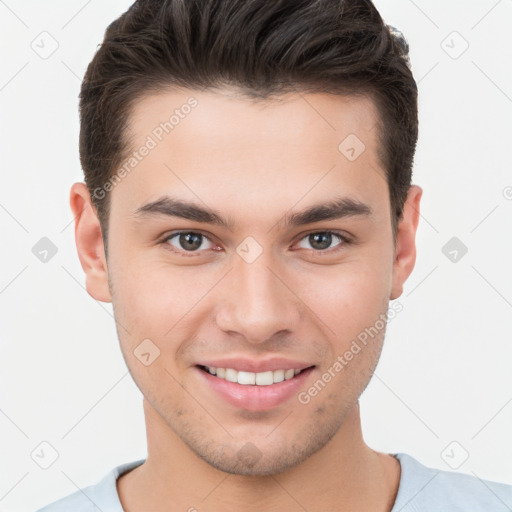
<point>252,397</point>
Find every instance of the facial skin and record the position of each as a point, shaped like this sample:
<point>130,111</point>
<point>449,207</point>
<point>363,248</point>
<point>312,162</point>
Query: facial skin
<point>254,164</point>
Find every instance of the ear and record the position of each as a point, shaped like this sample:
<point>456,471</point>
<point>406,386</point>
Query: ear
<point>405,250</point>
<point>89,243</point>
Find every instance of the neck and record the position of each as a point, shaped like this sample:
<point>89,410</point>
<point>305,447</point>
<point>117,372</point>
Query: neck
<point>343,475</point>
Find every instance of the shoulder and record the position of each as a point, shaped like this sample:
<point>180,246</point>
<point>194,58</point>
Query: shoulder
<point>427,489</point>
<point>101,496</point>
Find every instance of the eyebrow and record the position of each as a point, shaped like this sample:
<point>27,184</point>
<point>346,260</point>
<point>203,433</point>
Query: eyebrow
<point>335,209</point>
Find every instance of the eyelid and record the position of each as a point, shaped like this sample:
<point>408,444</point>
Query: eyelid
<point>344,237</point>
<point>345,240</point>
<point>169,236</point>
<point>342,234</point>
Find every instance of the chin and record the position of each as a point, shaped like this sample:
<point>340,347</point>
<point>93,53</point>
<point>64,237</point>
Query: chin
<point>254,459</point>
<point>253,465</point>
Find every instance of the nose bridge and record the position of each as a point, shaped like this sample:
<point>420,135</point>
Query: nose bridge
<point>257,304</point>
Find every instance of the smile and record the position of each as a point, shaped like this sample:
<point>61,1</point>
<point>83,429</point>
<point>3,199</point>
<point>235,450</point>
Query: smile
<point>250,378</point>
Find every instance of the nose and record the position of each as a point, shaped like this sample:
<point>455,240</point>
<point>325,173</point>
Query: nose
<point>257,302</point>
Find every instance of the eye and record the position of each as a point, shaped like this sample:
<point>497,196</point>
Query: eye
<point>188,241</point>
<point>322,240</point>
<point>195,242</point>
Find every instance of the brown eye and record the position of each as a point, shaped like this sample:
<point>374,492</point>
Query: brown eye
<point>322,240</point>
<point>188,241</point>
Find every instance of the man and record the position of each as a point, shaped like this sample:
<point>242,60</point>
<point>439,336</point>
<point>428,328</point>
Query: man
<point>248,210</point>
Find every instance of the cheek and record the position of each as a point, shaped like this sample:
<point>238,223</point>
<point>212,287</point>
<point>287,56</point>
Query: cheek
<point>156,300</point>
<point>147,305</point>
<point>349,297</point>
<point>147,289</point>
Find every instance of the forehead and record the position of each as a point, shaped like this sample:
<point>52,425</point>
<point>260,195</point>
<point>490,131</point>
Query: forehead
<point>226,150</point>
<point>214,114</point>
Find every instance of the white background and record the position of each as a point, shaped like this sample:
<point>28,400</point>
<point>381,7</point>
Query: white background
<point>445,373</point>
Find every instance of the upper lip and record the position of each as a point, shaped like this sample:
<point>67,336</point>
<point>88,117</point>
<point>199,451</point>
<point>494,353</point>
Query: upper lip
<point>257,366</point>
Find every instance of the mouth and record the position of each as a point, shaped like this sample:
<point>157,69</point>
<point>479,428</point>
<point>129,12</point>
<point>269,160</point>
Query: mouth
<point>254,391</point>
<point>245,378</point>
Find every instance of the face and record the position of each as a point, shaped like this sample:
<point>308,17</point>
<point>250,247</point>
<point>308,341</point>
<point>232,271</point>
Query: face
<point>252,238</point>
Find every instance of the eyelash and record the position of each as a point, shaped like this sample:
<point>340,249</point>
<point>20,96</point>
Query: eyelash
<point>344,241</point>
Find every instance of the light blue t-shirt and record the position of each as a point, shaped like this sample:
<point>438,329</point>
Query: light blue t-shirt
<point>421,489</point>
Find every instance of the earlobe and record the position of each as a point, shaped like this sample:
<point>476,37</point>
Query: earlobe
<point>405,254</point>
<point>89,243</point>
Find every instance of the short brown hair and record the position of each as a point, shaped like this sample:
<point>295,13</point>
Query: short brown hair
<point>263,48</point>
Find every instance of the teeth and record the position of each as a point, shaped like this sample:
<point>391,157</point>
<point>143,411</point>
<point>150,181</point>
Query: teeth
<point>245,377</point>
<point>279,375</point>
<point>231,375</point>
<point>250,378</point>
<point>289,374</point>
<point>264,378</point>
